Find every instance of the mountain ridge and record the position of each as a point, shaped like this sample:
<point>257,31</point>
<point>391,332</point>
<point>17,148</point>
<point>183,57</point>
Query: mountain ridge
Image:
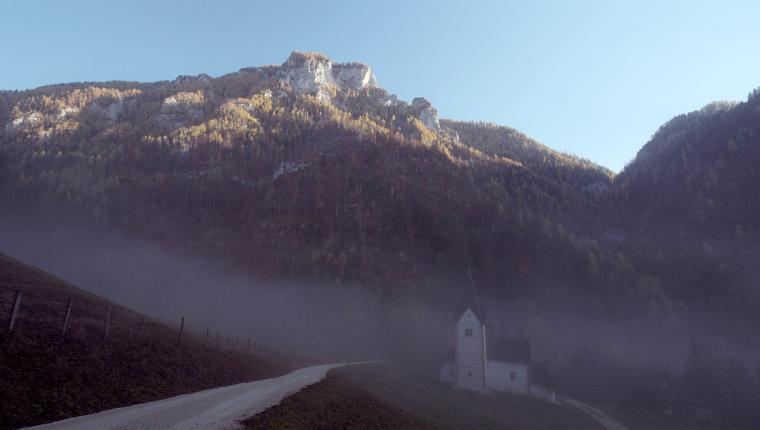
<point>289,171</point>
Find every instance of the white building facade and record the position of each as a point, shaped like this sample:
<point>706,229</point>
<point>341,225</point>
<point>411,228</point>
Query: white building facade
<point>470,369</point>
<point>506,376</point>
<point>475,364</point>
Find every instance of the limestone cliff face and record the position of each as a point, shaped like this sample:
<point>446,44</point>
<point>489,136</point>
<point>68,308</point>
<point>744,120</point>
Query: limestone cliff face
<point>180,109</point>
<point>109,111</point>
<point>425,111</point>
<point>186,100</point>
<point>316,74</point>
<point>354,75</point>
<point>27,122</point>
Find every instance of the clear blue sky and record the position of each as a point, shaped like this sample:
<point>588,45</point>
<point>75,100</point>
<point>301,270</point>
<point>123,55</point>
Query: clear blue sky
<point>593,78</point>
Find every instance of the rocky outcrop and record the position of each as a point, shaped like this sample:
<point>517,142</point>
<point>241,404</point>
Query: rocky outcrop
<point>354,75</point>
<point>287,167</point>
<point>188,79</point>
<point>66,112</point>
<point>316,74</point>
<point>108,112</point>
<point>180,109</point>
<point>183,103</point>
<point>424,110</point>
<point>27,122</point>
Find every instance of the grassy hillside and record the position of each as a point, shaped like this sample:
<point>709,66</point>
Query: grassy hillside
<point>335,403</point>
<point>45,376</point>
<point>394,396</point>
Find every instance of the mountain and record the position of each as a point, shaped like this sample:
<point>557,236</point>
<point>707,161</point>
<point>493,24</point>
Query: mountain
<point>702,167</point>
<point>311,170</point>
<point>688,206</point>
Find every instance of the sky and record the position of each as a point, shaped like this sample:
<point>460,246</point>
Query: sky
<point>591,78</point>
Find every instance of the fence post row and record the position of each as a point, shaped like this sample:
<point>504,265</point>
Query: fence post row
<point>107,328</point>
<point>14,312</point>
<point>66,319</point>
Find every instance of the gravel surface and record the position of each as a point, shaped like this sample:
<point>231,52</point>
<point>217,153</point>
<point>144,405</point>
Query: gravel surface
<point>218,408</point>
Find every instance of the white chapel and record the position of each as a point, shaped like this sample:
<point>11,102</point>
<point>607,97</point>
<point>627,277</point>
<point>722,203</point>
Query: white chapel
<point>481,364</point>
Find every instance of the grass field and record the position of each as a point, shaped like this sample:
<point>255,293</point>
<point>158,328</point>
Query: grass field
<point>648,420</point>
<point>395,396</point>
<point>335,403</point>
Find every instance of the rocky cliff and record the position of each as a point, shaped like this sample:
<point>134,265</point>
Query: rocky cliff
<point>318,75</point>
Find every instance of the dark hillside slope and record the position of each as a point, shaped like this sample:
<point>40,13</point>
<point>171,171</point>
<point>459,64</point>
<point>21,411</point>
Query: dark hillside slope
<point>687,209</point>
<point>581,184</point>
<point>508,142</point>
<point>45,376</point>
<point>698,176</point>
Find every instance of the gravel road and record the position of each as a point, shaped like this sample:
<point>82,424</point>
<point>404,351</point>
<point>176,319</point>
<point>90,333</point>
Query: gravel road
<point>217,408</point>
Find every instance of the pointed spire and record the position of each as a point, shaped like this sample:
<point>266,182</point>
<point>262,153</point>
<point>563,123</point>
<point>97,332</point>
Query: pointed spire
<point>474,293</point>
<point>470,299</point>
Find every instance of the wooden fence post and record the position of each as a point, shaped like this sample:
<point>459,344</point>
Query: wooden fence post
<point>181,329</point>
<point>66,319</point>
<point>14,312</point>
<point>248,347</point>
<point>142,326</point>
<point>107,325</point>
<point>205,339</point>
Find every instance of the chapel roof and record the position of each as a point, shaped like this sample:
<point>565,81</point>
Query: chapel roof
<point>509,350</point>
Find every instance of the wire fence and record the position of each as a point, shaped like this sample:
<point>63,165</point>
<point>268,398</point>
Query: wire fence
<point>86,316</point>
